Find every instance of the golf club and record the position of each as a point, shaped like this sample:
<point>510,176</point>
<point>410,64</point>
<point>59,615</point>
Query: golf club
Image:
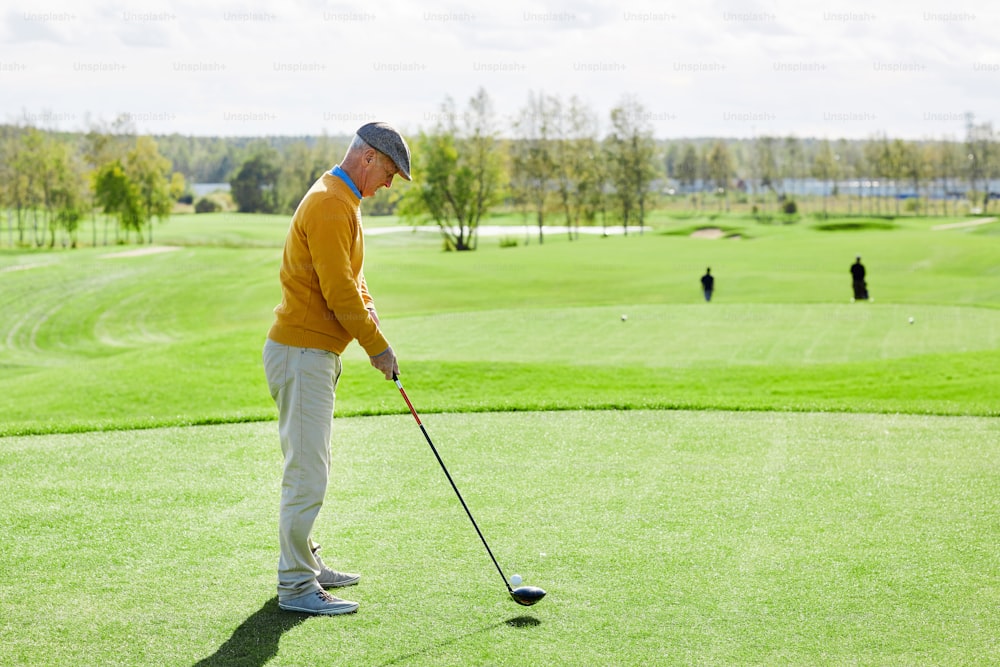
<point>524,595</point>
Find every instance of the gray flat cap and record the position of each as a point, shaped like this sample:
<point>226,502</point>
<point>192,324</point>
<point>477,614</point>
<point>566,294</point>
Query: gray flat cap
<point>385,139</point>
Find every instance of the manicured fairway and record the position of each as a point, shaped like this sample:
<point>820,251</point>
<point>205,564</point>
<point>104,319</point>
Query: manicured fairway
<point>779,476</point>
<point>106,338</point>
<point>662,538</point>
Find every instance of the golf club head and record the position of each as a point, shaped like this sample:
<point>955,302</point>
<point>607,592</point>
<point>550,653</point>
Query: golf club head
<point>527,595</point>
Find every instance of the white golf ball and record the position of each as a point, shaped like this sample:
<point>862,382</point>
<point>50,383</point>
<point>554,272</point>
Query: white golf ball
<point>911,320</point>
<point>624,317</point>
<point>515,579</point>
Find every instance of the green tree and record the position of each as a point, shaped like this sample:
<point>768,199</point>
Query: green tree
<point>688,168</point>
<point>825,168</point>
<point>303,163</point>
<point>767,166</point>
<point>951,162</point>
<point>720,168</point>
<point>103,144</point>
<point>631,157</point>
<point>852,166</point>
<point>151,176</point>
<point>671,158</point>
<point>927,153</point>
<point>254,187</point>
<point>579,182</point>
<point>118,196</point>
<point>206,205</point>
<point>30,164</point>
<point>8,177</point>
<point>898,155</point>
<point>983,161</point>
<point>791,168</point>
<point>18,187</point>
<point>879,162</point>
<point>460,172</point>
<point>909,168</point>
<point>533,155</point>
<point>67,196</point>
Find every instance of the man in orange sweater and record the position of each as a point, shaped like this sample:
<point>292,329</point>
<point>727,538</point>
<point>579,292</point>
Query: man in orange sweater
<point>325,305</point>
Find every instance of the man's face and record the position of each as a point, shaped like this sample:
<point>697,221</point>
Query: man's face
<point>379,173</point>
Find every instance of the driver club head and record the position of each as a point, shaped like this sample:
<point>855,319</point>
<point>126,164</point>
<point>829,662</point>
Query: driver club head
<point>527,595</point>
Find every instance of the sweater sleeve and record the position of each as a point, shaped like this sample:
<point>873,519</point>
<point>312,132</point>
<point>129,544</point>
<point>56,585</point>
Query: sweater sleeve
<point>365,295</point>
<point>337,256</point>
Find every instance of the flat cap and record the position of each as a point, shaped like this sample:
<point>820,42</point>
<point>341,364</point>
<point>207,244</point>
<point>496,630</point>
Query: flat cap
<point>385,139</point>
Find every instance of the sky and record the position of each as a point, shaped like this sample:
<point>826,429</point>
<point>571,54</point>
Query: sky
<point>723,68</point>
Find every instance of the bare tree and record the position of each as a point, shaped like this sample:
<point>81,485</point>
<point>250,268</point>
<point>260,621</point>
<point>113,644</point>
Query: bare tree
<point>791,166</point>
<point>878,159</point>
<point>951,161</point>
<point>826,168</point>
<point>980,142</point>
<point>767,167</point>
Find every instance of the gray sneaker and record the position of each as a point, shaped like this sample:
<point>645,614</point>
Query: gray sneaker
<point>319,602</point>
<point>332,579</point>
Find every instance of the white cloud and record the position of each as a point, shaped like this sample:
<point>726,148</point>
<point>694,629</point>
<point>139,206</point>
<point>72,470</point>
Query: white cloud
<point>724,68</point>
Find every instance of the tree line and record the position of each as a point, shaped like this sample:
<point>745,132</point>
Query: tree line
<point>878,172</point>
<point>51,182</point>
<point>553,162</point>
<point>556,161</point>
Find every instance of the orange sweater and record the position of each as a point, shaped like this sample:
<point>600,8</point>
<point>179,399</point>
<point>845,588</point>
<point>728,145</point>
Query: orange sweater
<point>324,298</point>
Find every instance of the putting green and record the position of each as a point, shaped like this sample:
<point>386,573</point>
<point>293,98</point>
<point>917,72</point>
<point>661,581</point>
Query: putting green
<point>701,334</point>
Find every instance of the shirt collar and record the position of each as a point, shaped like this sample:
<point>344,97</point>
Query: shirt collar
<point>342,175</point>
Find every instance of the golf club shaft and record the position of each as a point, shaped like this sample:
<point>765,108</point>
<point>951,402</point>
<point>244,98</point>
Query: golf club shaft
<point>450,480</point>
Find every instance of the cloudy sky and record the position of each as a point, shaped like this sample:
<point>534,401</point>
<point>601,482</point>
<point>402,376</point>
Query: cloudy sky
<point>724,68</point>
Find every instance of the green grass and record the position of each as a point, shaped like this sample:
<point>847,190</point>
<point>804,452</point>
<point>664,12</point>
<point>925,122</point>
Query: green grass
<point>778,477</point>
<point>661,537</point>
<point>224,229</point>
<point>95,339</point>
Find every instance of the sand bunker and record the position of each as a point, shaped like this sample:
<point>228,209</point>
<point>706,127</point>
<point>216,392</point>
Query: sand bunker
<point>965,223</point>
<point>139,252</point>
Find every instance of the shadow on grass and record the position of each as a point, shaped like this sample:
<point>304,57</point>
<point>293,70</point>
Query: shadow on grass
<point>255,642</point>
<point>855,226</point>
<point>523,622</point>
<point>516,622</point>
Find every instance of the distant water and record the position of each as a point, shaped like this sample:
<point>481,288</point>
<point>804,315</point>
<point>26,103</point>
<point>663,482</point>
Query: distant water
<point>954,188</point>
<point>202,189</point>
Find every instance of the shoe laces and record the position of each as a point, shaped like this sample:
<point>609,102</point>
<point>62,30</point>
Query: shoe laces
<point>326,597</point>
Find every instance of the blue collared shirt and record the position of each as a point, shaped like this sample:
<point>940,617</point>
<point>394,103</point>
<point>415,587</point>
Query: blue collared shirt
<point>340,173</point>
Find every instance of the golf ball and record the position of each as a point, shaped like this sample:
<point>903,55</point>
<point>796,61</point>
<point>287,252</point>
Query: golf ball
<point>515,579</point>
<point>624,317</point>
<point>911,320</point>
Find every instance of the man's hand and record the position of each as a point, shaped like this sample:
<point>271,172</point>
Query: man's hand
<point>386,362</point>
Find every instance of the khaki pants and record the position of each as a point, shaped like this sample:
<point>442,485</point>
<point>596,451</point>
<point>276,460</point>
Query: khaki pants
<point>303,384</point>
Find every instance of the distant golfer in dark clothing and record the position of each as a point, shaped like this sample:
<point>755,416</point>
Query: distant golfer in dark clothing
<point>708,284</point>
<point>858,275</point>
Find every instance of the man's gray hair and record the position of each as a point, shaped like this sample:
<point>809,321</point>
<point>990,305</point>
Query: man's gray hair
<point>358,144</point>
